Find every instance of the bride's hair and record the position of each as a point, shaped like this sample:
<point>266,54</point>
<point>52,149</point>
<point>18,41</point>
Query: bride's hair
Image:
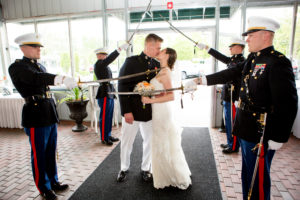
<point>172,57</point>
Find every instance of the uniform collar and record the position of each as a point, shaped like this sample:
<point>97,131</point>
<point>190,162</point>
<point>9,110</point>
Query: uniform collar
<point>267,50</point>
<point>29,60</point>
<point>237,55</point>
<point>144,56</point>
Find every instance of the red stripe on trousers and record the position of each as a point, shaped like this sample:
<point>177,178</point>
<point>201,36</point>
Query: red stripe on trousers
<point>36,169</point>
<point>233,117</point>
<point>234,143</point>
<point>233,111</point>
<point>103,117</point>
<point>261,167</point>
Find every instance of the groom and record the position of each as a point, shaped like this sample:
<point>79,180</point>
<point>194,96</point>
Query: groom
<point>134,116</point>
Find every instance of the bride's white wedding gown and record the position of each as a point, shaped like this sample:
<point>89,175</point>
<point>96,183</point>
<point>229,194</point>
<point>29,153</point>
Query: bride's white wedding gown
<point>169,166</point>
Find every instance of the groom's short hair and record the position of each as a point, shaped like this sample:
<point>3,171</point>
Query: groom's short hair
<point>153,38</point>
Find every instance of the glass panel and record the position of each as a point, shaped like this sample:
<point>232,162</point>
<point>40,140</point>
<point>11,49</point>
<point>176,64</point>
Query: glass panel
<point>55,54</point>
<point>13,31</point>
<point>190,62</point>
<point>116,37</point>
<point>229,27</point>
<point>296,56</point>
<point>283,15</point>
<point>86,37</point>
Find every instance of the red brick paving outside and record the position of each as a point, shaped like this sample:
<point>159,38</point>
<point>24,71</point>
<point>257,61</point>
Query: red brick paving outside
<point>80,153</point>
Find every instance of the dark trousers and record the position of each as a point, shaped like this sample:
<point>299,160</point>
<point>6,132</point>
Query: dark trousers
<point>232,140</point>
<point>105,119</point>
<point>262,184</point>
<point>43,161</point>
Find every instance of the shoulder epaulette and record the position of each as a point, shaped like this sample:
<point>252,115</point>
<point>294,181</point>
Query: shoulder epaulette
<point>277,54</point>
<point>18,60</point>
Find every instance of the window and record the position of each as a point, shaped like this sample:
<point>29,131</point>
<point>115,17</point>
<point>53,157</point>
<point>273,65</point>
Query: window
<point>86,38</point>
<point>296,56</point>
<point>229,28</point>
<point>55,54</point>
<point>116,37</point>
<point>283,15</point>
<point>13,31</point>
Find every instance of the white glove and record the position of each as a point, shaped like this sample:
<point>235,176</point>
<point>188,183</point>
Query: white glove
<point>190,85</point>
<point>69,82</point>
<point>236,104</point>
<point>274,145</point>
<point>202,46</point>
<point>123,47</point>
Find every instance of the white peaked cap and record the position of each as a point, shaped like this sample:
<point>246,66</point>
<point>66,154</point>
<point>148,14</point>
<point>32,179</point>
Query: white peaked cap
<point>237,41</point>
<point>31,39</point>
<point>103,50</point>
<point>256,23</point>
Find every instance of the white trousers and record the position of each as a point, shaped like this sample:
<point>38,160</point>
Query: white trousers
<point>129,132</point>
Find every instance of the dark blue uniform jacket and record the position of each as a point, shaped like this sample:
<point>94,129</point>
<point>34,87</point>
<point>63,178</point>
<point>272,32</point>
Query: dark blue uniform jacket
<point>267,83</point>
<point>30,78</point>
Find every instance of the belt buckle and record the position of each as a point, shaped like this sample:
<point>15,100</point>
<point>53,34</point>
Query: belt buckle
<point>239,104</point>
<point>48,95</point>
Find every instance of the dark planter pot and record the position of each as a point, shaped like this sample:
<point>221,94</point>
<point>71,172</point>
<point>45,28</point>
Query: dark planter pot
<point>78,113</point>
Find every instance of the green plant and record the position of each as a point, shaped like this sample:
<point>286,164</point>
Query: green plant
<point>76,94</point>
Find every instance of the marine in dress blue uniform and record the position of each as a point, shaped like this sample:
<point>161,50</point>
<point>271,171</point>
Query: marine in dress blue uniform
<point>268,85</point>
<point>135,115</point>
<point>230,94</point>
<point>105,100</point>
<point>39,115</point>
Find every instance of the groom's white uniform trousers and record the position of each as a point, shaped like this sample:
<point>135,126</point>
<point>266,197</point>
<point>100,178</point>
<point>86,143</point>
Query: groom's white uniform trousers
<point>132,104</point>
<point>129,132</point>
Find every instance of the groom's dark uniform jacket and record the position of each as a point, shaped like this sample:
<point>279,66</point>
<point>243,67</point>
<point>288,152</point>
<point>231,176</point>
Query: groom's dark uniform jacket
<point>132,103</point>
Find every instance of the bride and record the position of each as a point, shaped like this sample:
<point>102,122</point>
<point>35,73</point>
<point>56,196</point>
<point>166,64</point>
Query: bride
<point>169,166</point>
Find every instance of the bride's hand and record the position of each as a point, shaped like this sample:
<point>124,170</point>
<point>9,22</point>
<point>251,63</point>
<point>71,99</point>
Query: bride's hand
<point>146,100</point>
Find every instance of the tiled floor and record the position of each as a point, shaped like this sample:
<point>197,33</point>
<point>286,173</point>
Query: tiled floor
<point>80,153</point>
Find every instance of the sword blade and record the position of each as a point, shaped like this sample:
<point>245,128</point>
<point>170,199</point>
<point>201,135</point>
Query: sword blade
<point>177,30</point>
<point>148,93</point>
<point>143,17</point>
<point>121,77</point>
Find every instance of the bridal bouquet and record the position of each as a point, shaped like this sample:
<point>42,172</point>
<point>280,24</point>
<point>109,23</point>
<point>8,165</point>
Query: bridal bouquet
<point>144,88</point>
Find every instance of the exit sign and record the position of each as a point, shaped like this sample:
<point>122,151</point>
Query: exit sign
<point>170,5</point>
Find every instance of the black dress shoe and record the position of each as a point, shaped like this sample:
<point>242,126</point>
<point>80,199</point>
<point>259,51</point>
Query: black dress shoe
<point>147,176</point>
<point>58,187</point>
<point>113,139</point>
<point>228,150</point>
<point>122,176</point>
<point>107,142</point>
<point>49,195</point>
<point>224,146</point>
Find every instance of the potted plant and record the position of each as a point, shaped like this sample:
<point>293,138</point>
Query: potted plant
<point>76,100</point>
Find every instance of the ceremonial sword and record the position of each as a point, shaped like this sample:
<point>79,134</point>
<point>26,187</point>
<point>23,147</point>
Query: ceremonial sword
<point>143,16</point>
<point>177,30</point>
<point>121,77</point>
<point>262,122</point>
<point>150,92</point>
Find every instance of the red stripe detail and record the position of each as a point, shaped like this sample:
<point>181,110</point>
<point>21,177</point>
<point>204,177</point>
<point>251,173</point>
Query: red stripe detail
<point>233,111</point>
<point>36,169</point>
<point>261,167</point>
<point>103,117</point>
<point>234,143</point>
<point>233,117</point>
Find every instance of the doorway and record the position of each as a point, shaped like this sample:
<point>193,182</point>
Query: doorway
<point>191,61</point>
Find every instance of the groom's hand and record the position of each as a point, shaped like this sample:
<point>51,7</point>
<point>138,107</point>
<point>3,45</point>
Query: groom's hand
<point>128,118</point>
